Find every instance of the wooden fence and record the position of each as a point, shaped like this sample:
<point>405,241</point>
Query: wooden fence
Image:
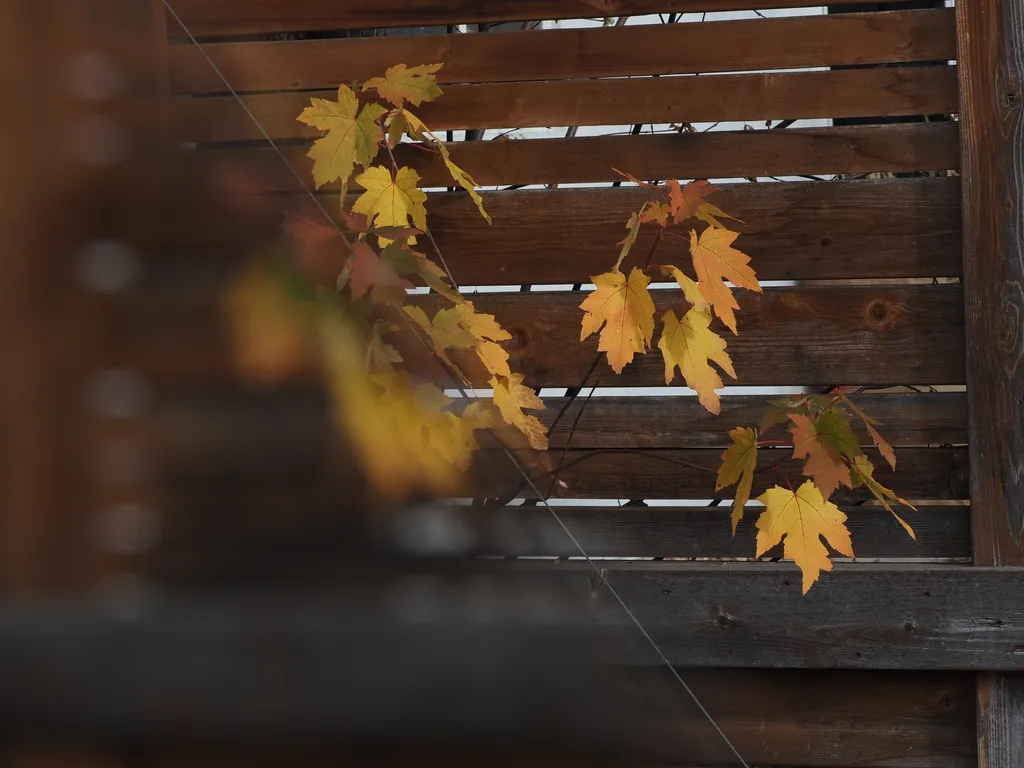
<point>907,283</point>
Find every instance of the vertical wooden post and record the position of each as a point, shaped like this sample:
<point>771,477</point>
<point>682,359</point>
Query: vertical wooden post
<point>990,37</point>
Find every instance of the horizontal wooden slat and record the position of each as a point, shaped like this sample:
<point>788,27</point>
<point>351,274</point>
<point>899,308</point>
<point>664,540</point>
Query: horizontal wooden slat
<point>798,230</point>
<point>922,473</point>
<point>714,155</point>
<point>860,616</point>
<point>233,422</point>
<point>838,93</point>
<point>245,17</point>
<point>179,671</point>
<point>856,335</point>
<point>720,46</point>
<point>239,538</point>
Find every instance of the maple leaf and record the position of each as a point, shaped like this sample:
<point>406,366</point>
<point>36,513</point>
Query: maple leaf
<point>738,464</point>
<point>405,262</point>
<point>319,251</point>
<point>369,270</point>
<point>401,84</point>
<point>688,202</point>
<point>658,212</point>
<point>381,356</point>
<point>714,261</point>
<point>690,345</point>
<point>391,201</point>
<point>625,309</point>
<point>352,138</point>
<point>869,423</point>
<point>512,397</point>
<point>800,519</point>
<point>633,225</point>
<point>462,178</point>
<point>494,358</point>
<point>774,417</point>
<point>444,330</point>
<point>691,291</point>
<point>862,473</point>
<point>401,122</point>
<point>482,326</point>
<point>823,442</point>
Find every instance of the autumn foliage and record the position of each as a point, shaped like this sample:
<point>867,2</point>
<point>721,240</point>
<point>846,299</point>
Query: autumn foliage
<point>410,436</point>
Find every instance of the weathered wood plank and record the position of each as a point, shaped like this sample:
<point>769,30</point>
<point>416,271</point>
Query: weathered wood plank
<point>837,93</point>
<point>860,616</point>
<point>794,717</point>
<point>228,421</point>
<point>900,147</point>
<point>855,335</point>
<point>208,18</point>
<point>236,538</point>
<point>627,473</point>
<point>719,46</point>
<point>991,49</point>
<point>809,230</point>
<point>792,230</point>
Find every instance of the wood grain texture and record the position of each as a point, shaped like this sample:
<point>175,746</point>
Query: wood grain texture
<point>860,616</point>
<point>892,148</point>
<point>792,230</point>
<point>239,538</point>
<point>246,17</point>
<point>228,421</point>
<point>793,95</point>
<point>718,46</point>
<point>857,335</point>
<point>605,473</point>
<point>991,52</point>
<point>788,717</point>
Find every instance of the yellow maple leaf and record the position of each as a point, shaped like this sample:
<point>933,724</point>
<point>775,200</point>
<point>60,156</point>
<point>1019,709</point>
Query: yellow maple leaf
<point>862,473</point>
<point>462,178</point>
<point>401,122</point>
<point>512,397</point>
<point>445,330</point>
<point>381,356</point>
<point>401,84</point>
<point>391,201</point>
<point>352,138</point>
<point>691,292</point>
<point>633,225</point>
<point>481,325</point>
<point>658,212</point>
<point>625,310</point>
<point>714,261</point>
<point>494,358</point>
<point>401,436</point>
<point>690,345</point>
<point>801,519</point>
<point>823,442</point>
<point>738,464</point>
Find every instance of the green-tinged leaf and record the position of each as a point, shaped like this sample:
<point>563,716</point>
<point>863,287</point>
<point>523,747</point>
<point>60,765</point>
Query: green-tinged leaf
<point>738,464</point>
<point>823,442</point>
<point>401,84</point>
<point>862,472</point>
<point>353,137</point>
<point>444,330</point>
<point>633,227</point>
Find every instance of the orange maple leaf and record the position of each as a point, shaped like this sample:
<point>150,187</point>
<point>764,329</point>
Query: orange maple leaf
<point>715,261</point>
<point>823,442</point>
<point>688,202</point>
<point>625,309</point>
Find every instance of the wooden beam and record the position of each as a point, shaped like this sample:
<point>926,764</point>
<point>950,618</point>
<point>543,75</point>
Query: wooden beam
<point>990,37</point>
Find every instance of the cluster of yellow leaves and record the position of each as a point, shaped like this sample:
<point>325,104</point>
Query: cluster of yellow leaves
<point>623,311</point>
<point>392,421</point>
<point>820,434</point>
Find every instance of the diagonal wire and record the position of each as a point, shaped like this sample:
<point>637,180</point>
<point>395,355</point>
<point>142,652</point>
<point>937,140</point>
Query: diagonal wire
<point>512,458</point>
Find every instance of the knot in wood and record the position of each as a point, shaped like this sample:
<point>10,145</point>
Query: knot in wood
<point>879,314</point>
